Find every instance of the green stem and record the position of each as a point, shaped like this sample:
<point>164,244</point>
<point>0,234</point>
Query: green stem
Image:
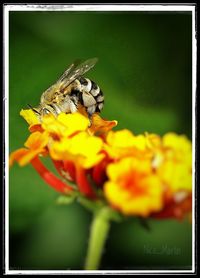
<point>98,234</point>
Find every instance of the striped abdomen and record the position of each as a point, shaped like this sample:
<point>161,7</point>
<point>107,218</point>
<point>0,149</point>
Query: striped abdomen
<point>88,94</point>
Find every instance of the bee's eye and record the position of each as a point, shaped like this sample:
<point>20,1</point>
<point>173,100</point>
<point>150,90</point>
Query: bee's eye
<point>46,111</point>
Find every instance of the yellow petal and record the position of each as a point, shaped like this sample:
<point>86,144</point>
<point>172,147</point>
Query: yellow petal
<point>121,138</point>
<point>81,148</point>
<point>124,143</point>
<point>175,141</point>
<point>125,138</point>
<point>176,166</point>
<point>176,175</point>
<point>153,140</point>
<point>65,125</point>
<point>75,121</point>
<point>29,116</point>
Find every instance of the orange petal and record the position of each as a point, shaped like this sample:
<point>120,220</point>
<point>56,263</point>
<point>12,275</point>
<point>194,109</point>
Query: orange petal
<point>35,127</point>
<point>17,155</point>
<point>24,156</point>
<point>100,125</point>
<point>37,140</point>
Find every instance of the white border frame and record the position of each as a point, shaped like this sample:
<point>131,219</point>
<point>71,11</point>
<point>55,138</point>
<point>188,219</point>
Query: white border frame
<point>91,8</point>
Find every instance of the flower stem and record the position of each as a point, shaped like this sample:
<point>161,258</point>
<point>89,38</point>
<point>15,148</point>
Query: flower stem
<point>98,234</point>
<point>49,177</point>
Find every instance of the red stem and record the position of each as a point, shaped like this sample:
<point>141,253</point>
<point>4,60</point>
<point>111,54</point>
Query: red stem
<point>70,168</point>
<point>59,166</point>
<point>83,183</point>
<point>49,177</point>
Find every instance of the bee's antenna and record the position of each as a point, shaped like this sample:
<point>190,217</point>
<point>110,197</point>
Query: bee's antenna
<point>30,106</point>
<point>34,110</point>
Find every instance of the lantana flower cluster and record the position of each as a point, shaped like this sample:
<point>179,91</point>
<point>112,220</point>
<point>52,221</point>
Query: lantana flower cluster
<point>143,175</point>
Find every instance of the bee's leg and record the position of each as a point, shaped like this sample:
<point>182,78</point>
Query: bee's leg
<point>90,110</point>
<point>90,119</point>
<point>72,106</point>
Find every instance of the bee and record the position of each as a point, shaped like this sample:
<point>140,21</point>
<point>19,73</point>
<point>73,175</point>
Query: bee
<point>71,91</point>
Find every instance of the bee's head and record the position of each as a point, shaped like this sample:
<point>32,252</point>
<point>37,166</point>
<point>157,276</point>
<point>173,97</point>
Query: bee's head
<point>43,110</point>
<point>47,109</point>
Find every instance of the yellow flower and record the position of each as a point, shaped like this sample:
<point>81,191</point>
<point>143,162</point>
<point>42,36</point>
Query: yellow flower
<point>176,167</point>
<point>65,125</point>
<point>68,137</point>
<point>133,188</point>
<point>81,148</point>
<point>181,147</point>
<point>153,141</point>
<point>140,175</point>
<point>124,143</point>
<point>68,141</point>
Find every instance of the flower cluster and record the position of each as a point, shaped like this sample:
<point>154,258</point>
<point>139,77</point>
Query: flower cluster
<point>136,175</point>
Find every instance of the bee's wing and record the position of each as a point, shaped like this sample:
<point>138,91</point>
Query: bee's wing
<point>49,92</point>
<point>76,70</point>
<point>70,74</point>
<point>69,70</point>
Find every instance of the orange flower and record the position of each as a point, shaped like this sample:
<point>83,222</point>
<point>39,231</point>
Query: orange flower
<point>36,145</point>
<point>69,140</point>
<point>139,174</point>
<point>133,188</point>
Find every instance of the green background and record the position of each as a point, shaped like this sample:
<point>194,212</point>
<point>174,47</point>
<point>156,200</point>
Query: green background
<point>144,70</point>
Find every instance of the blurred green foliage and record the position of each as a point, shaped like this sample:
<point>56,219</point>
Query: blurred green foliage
<point>144,70</point>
